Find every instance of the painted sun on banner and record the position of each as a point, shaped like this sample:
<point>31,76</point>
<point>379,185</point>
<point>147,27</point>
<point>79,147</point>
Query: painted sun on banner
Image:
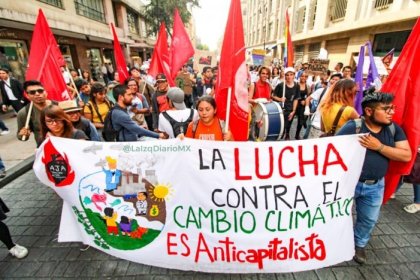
<point>235,207</point>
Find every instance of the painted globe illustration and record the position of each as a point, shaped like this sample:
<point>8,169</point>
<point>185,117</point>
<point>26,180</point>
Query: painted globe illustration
<point>122,208</point>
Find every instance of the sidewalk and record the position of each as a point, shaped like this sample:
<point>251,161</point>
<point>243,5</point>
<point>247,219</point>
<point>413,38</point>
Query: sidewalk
<point>17,155</point>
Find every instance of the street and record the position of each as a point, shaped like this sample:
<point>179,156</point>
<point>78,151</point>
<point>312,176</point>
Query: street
<point>393,252</point>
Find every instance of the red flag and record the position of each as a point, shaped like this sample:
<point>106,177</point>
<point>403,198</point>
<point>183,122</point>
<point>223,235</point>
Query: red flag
<point>119,58</point>
<point>289,55</point>
<point>45,60</point>
<point>404,82</point>
<point>181,47</point>
<point>160,57</point>
<point>233,74</point>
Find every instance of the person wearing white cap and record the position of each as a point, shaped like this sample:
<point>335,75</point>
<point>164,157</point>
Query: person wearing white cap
<point>175,120</point>
<point>288,94</point>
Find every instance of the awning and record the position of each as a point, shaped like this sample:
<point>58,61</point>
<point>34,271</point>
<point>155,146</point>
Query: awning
<point>141,45</point>
<point>99,39</point>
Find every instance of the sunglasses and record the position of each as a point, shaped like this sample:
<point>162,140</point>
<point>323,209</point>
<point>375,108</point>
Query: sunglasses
<point>159,82</point>
<point>33,92</point>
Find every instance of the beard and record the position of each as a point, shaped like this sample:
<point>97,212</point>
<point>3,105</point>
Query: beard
<point>375,122</point>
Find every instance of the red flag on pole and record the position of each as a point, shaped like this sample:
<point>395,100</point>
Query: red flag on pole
<point>181,47</point>
<point>160,57</point>
<point>233,75</point>
<point>404,82</point>
<point>45,60</point>
<point>119,58</point>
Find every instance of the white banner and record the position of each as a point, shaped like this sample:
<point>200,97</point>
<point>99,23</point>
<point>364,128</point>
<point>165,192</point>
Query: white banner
<point>235,207</point>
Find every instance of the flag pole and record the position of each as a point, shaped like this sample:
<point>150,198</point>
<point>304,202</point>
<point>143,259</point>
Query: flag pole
<point>73,84</point>
<point>229,97</point>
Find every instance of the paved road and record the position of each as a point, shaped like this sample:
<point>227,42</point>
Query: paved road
<point>394,251</point>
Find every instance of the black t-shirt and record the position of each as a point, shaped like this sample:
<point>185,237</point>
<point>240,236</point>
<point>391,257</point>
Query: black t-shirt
<point>375,164</point>
<point>291,94</point>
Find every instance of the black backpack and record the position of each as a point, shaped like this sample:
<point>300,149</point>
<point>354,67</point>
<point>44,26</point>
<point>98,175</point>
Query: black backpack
<point>109,134</point>
<point>179,127</point>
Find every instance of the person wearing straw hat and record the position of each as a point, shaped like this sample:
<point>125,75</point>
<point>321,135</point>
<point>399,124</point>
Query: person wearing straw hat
<point>73,111</point>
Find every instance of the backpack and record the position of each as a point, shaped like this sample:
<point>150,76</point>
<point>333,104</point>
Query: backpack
<point>108,132</point>
<point>179,127</point>
<point>359,122</point>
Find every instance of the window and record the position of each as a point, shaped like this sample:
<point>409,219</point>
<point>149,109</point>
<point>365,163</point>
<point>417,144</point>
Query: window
<point>133,22</point>
<point>300,20</point>
<point>56,3</point>
<point>14,56</point>
<point>299,52</point>
<point>382,4</point>
<point>338,9</point>
<point>92,9</point>
<point>312,14</point>
<point>314,50</point>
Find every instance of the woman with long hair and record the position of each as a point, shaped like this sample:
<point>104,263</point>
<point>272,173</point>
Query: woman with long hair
<point>87,77</point>
<point>261,88</point>
<point>140,105</point>
<point>208,126</point>
<point>98,106</point>
<point>54,122</point>
<point>304,92</point>
<point>275,77</point>
<point>341,94</point>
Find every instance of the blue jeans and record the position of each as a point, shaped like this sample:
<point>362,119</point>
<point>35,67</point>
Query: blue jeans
<point>2,167</point>
<point>416,189</point>
<point>3,126</point>
<point>368,200</point>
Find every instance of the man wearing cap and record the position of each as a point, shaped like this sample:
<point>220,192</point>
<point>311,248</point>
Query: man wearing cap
<point>289,99</point>
<point>314,129</point>
<point>175,120</point>
<point>72,110</point>
<point>159,100</point>
<point>37,95</point>
<point>384,141</point>
<point>127,129</point>
<point>11,91</point>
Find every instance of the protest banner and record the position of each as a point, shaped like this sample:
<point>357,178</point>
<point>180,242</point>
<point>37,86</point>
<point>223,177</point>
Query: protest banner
<point>232,207</point>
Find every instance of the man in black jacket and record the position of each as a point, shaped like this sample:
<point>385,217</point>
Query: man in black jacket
<point>11,91</point>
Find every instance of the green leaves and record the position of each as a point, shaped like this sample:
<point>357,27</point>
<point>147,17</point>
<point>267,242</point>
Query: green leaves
<point>163,10</point>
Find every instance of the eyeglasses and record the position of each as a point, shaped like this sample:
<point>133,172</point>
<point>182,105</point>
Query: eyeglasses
<point>51,121</point>
<point>34,91</point>
<point>159,82</point>
<point>388,108</point>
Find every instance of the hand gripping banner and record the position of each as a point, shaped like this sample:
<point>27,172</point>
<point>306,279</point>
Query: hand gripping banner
<point>233,207</point>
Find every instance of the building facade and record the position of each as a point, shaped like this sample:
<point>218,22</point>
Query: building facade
<point>338,26</point>
<point>81,28</point>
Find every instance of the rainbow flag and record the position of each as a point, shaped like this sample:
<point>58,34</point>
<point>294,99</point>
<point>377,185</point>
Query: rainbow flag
<point>288,46</point>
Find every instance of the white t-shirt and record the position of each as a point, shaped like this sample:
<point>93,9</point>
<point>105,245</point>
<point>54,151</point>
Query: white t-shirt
<point>8,89</point>
<point>178,115</point>
<point>316,117</point>
<point>67,77</point>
